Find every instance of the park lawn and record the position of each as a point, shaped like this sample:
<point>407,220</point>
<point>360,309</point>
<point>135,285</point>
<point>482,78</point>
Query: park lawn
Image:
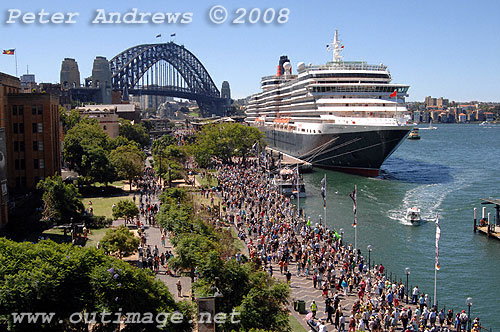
<point>102,205</point>
<point>96,236</point>
<point>237,242</point>
<point>295,324</point>
<point>117,184</point>
<point>57,235</point>
<point>203,181</point>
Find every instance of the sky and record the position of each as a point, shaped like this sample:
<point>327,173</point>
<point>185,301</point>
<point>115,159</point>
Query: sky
<point>448,48</point>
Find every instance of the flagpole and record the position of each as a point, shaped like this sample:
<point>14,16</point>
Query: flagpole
<point>298,192</point>
<point>436,265</point>
<point>324,205</point>
<point>356,226</point>
<point>435,284</point>
<point>15,56</point>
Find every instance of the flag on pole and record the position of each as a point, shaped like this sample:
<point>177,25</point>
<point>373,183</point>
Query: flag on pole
<point>336,234</point>
<point>438,236</point>
<point>9,52</point>
<point>394,94</point>
<point>158,35</point>
<point>323,190</point>
<point>172,35</point>
<point>354,196</point>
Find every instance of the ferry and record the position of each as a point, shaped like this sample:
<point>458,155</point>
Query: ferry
<point>414,134</point>
<point>342,115</point>
<point>288,184</point>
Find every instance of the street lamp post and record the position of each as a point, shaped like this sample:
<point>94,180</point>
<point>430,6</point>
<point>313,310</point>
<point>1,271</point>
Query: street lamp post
<point>370,248</point>
<point>341,236</point>
<point>407,272</point>
<point>468,301</point>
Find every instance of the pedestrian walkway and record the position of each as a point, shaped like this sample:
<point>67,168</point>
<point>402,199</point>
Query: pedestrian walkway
<point>153,237</point>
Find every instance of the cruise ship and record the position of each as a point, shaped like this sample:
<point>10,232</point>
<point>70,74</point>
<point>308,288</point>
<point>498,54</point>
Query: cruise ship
<point>343,115</point>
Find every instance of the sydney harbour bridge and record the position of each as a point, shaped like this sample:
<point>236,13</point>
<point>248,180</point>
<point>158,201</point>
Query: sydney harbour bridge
<point>165,69</point>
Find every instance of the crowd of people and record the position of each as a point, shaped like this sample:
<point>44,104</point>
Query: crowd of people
<point>149,187</point>
<point>356,298</point>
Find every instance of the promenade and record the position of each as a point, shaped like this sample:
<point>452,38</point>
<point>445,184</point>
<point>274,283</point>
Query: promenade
<point>273,236</point>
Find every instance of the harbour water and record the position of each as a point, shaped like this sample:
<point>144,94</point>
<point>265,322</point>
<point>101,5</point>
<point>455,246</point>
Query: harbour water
<point>445,173</point>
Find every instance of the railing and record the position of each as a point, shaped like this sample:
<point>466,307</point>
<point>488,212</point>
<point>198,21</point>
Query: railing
<point>348,66</point>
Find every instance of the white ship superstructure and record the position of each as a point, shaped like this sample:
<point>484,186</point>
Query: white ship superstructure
<point>345,115</point>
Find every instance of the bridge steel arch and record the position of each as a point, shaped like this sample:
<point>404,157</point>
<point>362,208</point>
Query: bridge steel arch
<point>128,67</point>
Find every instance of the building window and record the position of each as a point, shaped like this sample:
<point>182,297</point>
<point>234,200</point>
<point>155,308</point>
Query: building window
<point>35,163</point>
<point>40,127</point>
<point>35,145</point>
<point>33,110</point>
<point>21,128</point>
<point>104,128</point>
<point>14,109</point>
<point>20,110</point>
<point>18,181</point>
<point>15,128</point>
<point>42,163</point>
<point>21,146</point>
<point>23,164</point>
<point>16,146</point>
<point>40,109</point>
<point>40,145</point>
<point>16,164</point>
<point>37,179</point>
<point>23,181</point>
<point>33,128</point>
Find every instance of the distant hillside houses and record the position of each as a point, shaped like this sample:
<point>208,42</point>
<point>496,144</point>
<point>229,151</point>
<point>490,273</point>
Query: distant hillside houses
<point>444,111</point>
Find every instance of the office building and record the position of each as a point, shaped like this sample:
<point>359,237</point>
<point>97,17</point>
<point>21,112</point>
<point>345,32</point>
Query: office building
<point>33,139</point>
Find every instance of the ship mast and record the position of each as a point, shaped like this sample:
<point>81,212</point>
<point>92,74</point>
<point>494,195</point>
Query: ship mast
<point>336,47</point>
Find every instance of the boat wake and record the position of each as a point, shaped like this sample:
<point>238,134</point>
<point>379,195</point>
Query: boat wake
<point>428,198</point>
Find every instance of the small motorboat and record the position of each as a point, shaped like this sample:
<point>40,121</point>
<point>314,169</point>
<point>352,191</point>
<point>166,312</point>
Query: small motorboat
<point>414,134</point>
<point>430,126</point>
<point>413,215</point>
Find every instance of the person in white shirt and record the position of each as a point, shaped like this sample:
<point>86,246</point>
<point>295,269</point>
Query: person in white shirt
<point>415,294</point>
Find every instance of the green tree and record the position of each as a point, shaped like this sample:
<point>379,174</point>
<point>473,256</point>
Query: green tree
<point>98,165</point>
<point>85,150</point>
<point>128,161</point>
<point>264,306</point>
<point>120,240</point>
<point>134,132</point>
<point>224,141</point>
<point>61,201</point>
<point>121,141</point>
<point>125,209</point>
<point>162,142</point>
<point>169,162</point>
<point>191,250</point>
<point>64,279</point>
<point>69,119</point>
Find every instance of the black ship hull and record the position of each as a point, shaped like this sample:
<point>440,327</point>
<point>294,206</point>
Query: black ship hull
<point>352,149</point>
